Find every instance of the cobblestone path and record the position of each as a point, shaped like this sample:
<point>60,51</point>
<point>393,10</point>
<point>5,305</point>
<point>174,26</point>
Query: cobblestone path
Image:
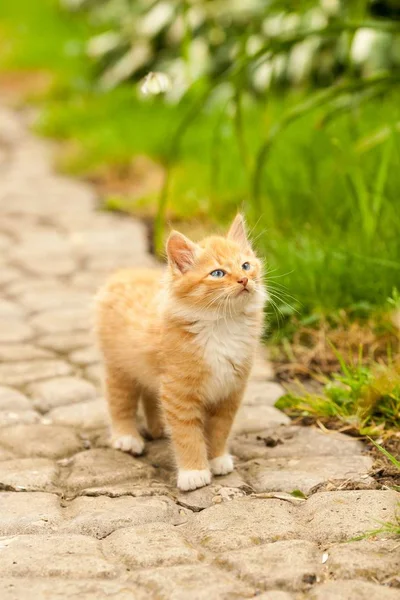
<point>80,520</point>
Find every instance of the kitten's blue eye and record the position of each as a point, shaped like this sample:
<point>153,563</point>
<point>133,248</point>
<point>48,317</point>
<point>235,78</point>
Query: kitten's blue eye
<point>217,273</point>
<point>246,266</point>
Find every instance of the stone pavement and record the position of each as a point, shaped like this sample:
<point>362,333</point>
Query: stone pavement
<point>80,520</point>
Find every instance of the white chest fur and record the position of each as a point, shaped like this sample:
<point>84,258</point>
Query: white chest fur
<point>226,344</point>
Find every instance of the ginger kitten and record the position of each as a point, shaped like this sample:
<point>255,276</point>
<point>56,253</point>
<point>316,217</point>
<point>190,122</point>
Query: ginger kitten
<point>184,344</point>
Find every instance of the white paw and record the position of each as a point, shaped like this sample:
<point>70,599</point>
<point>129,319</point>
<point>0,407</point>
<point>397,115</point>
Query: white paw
<point>222,465</point>
<point>190,480</point>
<point>128,443</point>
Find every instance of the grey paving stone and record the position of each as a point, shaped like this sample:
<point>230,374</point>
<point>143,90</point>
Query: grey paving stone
<point>11,399</point>
<point>262,369</point>
<point>288,474</point>
<point>95,374</point>
<point>257,417</point>
<point>9,275</point>
<point>262,393</point>
<point>60,391</point>
<point>29,474</point>
<point>13,330</point>
<point>99,239</point>
<point>105,467</point>
<point>23,373</point>
<point>5,241</point>
<point>60,297</point>
<point>141,488</point>
<point>194,582</point>
<point>160,455</point>
<point>6,455</point>
<point>340,516</point>
<point>11,127</point>
<point>295,442</point>
<point>88,281</point>
<point>14,417</point>
<point>243,523</point>
<point>291,565</point>
<point>40,263</point>
<point>371,559</point>
<point>222,489</point>
<point>151,545</point>
<point>85,356</point>
<point>75,556</point>
<point>28,284</point>
<point>84,415</point>
<point>276,595</point>
<point>62,320</point>
<point>37,440</point>
<point>29,512</point>
<point>352,590</point>
<point>64,342</point>
<point>101,516</point>
<point>10,310</point>
<point>59,589</point>
<point>22,352</point>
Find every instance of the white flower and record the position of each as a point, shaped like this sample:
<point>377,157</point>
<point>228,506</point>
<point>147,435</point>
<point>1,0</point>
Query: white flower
<point>72,4</point>
<point>262,76</point>
<point>155,83</point>
<point>254,43</point>
<point>330,6</point>
<point>100,44</point>
<point>132,60</point>
<point>156,19</point>
<point>198,58</point>
<point>273,26</point>
<point>300,59</point>
<point>362,45</point>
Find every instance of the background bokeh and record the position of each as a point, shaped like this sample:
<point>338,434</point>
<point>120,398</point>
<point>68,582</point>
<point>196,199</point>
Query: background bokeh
<point>287,110</point>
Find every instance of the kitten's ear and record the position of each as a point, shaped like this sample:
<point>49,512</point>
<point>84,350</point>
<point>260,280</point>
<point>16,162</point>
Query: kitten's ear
<point>237,232</point>
<point>181,251</point>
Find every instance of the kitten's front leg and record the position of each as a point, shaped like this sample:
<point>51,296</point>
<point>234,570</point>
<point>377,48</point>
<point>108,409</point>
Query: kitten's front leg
<point>219,425</point>
<point>184,415</point>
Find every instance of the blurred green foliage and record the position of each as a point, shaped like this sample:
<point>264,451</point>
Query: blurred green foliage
<point>308,148</point>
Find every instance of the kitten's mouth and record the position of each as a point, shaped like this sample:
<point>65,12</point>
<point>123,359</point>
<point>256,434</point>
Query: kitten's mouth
<point>244,290</point>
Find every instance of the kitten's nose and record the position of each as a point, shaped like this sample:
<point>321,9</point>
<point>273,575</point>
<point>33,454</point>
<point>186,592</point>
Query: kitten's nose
<point>243,281</point>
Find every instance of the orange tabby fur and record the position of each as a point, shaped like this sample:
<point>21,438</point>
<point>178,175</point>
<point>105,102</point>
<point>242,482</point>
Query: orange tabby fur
<point>184,343</point>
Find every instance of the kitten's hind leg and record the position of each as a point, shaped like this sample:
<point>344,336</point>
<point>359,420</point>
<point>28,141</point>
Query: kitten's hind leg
<point>153,412</point>
<point>123,397</point>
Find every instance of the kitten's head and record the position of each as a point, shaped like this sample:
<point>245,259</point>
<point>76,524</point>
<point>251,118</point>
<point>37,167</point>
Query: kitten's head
<point>218,276</point>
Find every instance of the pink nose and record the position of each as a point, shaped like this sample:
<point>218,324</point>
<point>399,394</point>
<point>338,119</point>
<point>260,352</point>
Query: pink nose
<point>244,281</point>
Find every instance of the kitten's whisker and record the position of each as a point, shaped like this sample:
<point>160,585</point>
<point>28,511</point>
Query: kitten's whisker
<point>250,231</point>
<point>278,276</point>
<point>254,239</point>
<point>277,311</point>
<point>281,290</point>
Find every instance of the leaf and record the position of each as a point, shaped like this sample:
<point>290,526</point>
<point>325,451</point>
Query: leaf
<point>298,494</point>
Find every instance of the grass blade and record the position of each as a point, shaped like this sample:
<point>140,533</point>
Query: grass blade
<point>389,456</point>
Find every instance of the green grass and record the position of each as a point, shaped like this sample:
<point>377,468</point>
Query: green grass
<point>39,35</point>
<point>366,399</point>
<point>388,455</point>
<point>329,212</point>
<point>388,527</point>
